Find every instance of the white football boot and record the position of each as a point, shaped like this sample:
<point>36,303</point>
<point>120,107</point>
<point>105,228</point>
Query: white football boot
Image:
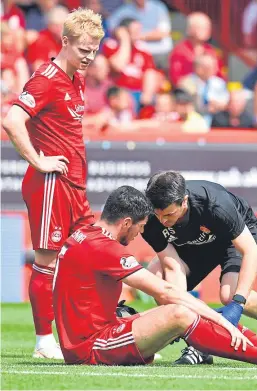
<point>47,347</point>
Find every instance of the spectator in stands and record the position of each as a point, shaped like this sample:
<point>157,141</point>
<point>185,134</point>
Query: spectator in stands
<point>210,91</point>
<point>49,41</point>
<point>98,8</point>
<point>121,105</point>
<point>111,6</point>
<point>236,115</point>
<point>97,84</point>
<point>7,94</point>
<point>14,17</point>
<point>132,66</point>
<point>255,105</point>
<point>118,111</point>
<point>250,79</point>
<point>191,121</point>
<point>35,12</point>
<point>249,24</point>
<point>182,57</point>
<point>156,23</point>
<point>162,110</point>
<point>14,69</point>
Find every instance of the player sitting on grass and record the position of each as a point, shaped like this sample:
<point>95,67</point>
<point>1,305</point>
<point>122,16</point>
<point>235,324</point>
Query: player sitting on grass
<point>91,267</point>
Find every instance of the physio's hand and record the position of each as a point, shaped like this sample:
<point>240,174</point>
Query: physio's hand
<point>52,163</point>
<point>232,312</point>
<point>237,338</point>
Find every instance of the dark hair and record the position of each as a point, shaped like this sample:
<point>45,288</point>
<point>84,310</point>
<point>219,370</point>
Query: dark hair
<point>126,201</point>
<point>112,91</point>
<point>182,96</point>
<point>127,21</point>
<point>166,188</point>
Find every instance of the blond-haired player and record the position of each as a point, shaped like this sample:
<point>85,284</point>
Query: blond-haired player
<point>44,124</point>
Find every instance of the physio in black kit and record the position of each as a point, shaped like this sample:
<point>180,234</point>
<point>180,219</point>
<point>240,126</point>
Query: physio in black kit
<point>198,225</point>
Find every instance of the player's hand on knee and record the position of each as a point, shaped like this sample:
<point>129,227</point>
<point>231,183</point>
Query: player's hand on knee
<point>232,312</point>
<point>52,163</point>
<point>239,339</point>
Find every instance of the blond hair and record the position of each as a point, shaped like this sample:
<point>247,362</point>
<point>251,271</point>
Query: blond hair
<point>83,20</point>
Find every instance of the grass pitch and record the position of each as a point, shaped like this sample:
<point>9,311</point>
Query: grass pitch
<point>21,372</point>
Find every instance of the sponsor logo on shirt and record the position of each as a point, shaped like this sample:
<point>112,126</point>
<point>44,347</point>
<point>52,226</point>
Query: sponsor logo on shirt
<point>75,114</point>
<point>27,99</point>
<point>205,237</point>
<point>129,262</point>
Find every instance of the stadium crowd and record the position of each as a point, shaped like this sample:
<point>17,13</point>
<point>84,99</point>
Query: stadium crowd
<point>139,79</point>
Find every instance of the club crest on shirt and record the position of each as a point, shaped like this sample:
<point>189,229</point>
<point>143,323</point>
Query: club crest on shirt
<point>27,99</point>
<point>205,229</point>
<point>119,329</point>
<point>128,262</point>
<point>56,236</point>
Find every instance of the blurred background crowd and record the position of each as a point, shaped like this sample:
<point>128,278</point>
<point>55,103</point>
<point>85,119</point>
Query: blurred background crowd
<point>166,69</point>
<point>179,65</point>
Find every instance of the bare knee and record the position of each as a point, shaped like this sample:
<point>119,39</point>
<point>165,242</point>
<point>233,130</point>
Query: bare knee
<point>156,268</point>
<point>180,315</point>
<point>46,257</point>
<point>226,295</point>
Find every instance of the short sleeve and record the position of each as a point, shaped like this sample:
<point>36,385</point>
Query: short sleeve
<point>117,263</point>
<point>227,221</point>
<point>153,234</point>
<point>35,96</point>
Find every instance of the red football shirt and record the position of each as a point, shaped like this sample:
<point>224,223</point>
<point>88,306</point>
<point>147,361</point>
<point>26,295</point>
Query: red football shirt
<point>55,104</point>
<point>87,289</point>
<point>183,56</point>
<point>44,48</point>
<point>132,75</point>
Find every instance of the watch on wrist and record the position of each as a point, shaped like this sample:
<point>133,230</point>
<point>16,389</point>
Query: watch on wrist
<point>239,299</point>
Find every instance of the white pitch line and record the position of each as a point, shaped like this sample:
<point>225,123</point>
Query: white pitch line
<point>146,368</point>
<point>120,374</point>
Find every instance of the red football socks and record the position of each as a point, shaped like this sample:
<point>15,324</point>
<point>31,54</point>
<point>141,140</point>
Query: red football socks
<point>248,333</point>
<point>41,298</point>
<point>210,338</point>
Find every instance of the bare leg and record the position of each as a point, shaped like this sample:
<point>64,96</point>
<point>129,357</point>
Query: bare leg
<point>161,326</point>
<point>227,291</point>
<point>155,330</point>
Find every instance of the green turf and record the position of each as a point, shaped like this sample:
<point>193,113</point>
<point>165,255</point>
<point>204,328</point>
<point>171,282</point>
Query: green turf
<point>21,372</point>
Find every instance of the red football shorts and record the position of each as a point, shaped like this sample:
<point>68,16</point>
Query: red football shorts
<point>115,345</point>
<point>55,209</point>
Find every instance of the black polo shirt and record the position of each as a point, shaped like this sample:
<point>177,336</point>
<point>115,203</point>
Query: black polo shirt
<point>214,218</point>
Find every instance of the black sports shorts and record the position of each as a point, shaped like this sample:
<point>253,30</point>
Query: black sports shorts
<point>202,259</point>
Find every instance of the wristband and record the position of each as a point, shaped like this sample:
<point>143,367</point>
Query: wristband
<point>239,299</point>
